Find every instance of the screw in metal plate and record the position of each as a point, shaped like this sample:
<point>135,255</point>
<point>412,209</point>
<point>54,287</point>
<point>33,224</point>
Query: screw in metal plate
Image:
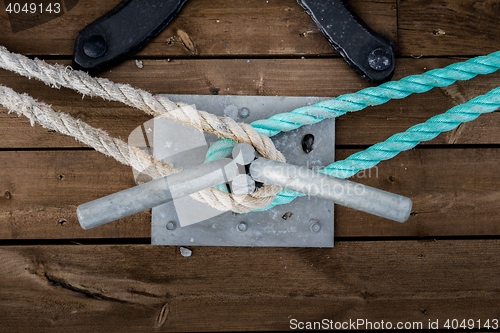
<point>315,227</point>
<point>380,59</point>
<point>95,46</point>
<point>242,226</point>
<point>244,112</point>
<point>171,225</point>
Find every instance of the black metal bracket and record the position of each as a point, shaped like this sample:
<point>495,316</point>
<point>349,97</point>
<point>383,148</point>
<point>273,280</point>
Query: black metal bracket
<point>122,32</point>
<point>368,53</point>
<point>128,27</point>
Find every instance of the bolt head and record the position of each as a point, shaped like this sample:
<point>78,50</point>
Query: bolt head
<point>95,46</point>
<point>244,112</point>
<point>380,59</point>
<point>315,227</point>
<point>242,226</point>
<point>171,225</point>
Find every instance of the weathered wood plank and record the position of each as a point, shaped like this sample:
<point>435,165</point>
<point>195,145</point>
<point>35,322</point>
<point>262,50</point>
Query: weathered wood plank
<point>257,77</point>
<point>218,28</point>
<point>215,27</point>
<point>455,192</point>
<point>449,27</point>
<point>138,288</point>
<point>141,288</point>
<point>48,186</point>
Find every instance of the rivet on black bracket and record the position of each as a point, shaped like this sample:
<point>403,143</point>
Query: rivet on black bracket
<point>121,32</point>
<point>368,53</point>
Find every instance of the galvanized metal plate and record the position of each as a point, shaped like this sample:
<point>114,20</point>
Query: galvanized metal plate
<point>306,222</point>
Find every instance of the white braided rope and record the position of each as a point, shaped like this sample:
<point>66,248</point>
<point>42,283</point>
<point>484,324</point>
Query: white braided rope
<point>56,76</point>
<point>43,114</point>
<point>154,105</point>
<point>63,123</point>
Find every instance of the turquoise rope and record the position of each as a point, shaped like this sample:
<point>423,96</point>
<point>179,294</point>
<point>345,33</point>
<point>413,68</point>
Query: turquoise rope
<point>372,96</point>
<point>419,83</point>
<point>403,141</point>
<point>375,96</point>
<point>426,131</point>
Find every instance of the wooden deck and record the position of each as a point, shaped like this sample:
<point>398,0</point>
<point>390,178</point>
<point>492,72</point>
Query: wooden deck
<point>442,264</point>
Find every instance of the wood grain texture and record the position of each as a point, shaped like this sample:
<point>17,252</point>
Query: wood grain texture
<point>454,191</point>
<point>138,288</point>
<point>281,28</point>
<point>449,27</point>
<point>377,271</point>
<point>215,28</point>
<point>219,28</point>
<point>52,184</point>
<point>306,77</point>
